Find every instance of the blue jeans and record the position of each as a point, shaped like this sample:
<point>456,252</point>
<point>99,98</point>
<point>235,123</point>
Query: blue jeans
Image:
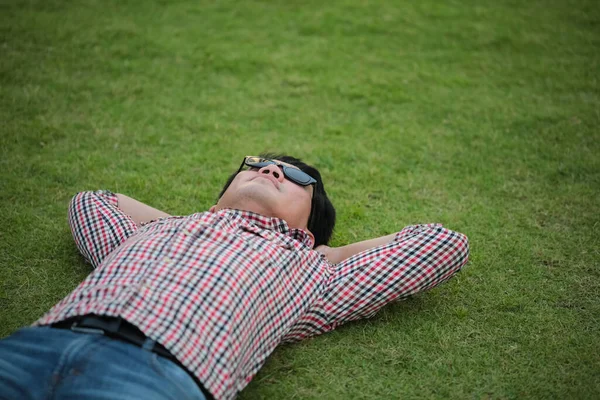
<point>44,363</point>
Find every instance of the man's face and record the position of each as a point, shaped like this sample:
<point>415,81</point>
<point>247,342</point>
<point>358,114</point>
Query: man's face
<point>268,192</point>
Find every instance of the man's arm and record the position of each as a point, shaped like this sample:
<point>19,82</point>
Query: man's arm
<point>411,261</point>
<point>97,224</point>
<point>338,254</point>
<point>417,258</point>
<point>139,211</point>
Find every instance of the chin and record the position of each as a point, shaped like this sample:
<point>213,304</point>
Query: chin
<point>252,198</point>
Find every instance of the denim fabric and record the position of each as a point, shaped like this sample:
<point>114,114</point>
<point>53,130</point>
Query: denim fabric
<point>49,363</point>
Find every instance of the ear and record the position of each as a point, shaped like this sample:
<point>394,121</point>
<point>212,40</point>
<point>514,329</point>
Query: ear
<point>212,209</point>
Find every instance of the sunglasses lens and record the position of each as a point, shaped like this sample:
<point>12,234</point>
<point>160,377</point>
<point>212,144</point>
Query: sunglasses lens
<point>257,162</point>
<point>297,176</point>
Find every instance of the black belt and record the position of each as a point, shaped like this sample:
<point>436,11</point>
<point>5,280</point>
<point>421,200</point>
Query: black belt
<point>118,328</point>
<point>113,327</point>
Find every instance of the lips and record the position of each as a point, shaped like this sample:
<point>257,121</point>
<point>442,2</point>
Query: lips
<point>271,178</point>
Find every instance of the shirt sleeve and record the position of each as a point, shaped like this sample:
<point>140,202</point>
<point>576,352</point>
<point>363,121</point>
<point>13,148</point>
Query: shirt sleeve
<point>98,225</point>
<point>419,258</point>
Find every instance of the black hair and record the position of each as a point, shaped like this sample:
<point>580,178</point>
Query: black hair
<point>322,216</point>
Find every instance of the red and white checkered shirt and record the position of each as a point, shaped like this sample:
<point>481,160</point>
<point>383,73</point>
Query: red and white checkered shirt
<point>221,290</point>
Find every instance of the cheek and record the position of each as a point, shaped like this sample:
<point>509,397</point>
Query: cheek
<point>233,186</point>
<point>301,197</point>
<point>240,178</point>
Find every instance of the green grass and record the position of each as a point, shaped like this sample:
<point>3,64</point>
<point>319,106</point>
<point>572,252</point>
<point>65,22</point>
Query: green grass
<point>482,115</point>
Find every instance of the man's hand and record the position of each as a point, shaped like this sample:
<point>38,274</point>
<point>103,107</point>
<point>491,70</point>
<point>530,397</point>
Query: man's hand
<point>332,253</point>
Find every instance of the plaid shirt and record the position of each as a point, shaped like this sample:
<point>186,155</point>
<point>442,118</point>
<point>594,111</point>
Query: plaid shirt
<point>221,290</point>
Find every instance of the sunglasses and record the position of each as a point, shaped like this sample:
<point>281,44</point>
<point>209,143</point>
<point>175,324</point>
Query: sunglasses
<point>293,174</point>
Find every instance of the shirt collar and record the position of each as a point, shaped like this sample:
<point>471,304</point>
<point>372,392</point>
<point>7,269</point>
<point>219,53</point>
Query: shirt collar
<point>270,223</point>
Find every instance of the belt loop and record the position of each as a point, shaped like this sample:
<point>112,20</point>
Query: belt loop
<point>119,322</point>
<point>148,344</point>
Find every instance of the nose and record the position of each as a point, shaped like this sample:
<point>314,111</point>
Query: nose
<point>273,170</point>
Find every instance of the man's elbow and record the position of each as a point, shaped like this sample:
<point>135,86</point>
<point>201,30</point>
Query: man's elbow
<point>452,251</point>
<point>77,203</point>
<point>459,249</point>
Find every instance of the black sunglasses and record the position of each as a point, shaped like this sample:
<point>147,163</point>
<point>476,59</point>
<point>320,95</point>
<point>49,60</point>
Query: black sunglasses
<point>293,174</point>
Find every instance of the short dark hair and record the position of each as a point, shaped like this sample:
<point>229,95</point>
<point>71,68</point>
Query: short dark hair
<point>322,216</point>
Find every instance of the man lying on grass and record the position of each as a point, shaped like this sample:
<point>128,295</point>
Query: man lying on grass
<point>191,306</point>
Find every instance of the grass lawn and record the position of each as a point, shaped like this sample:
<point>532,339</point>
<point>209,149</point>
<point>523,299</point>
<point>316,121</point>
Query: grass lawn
<point>482,115</point>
